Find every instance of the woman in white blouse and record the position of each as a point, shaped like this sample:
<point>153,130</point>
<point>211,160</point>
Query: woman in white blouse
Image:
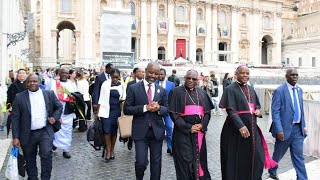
<point>83,88</point>
<point>112,93</point>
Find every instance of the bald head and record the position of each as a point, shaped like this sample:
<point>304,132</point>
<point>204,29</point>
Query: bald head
<point>191,78</point>
<point>152,72</point>
<point>291,70</point>
<point>243,73</point>
<point>33,82</point>
<point>292,76</point>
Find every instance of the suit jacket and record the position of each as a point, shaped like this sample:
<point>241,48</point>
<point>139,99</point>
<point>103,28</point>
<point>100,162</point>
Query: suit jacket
<point>100,78</point>
<point>21,115</point>
<point>169,85</point>
<point>136,99</point>
<point>129,84</point>
<point>283,111</point>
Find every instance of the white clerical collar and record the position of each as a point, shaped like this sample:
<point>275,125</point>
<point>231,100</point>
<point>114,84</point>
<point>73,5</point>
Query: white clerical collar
<point>36,92</point>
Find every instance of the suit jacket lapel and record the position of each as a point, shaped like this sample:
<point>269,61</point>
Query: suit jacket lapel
<point>156,93</point>
<point>46,100</point>
<point>287,96</point>
<point>27,100</point>
<point>143,92</point>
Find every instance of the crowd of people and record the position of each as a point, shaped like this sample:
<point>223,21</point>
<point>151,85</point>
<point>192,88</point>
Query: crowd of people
<point>44,109</point>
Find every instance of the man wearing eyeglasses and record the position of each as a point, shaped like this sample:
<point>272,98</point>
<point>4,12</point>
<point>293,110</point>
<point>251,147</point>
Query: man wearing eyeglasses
<point>190,110</point>
<point>288,124</point>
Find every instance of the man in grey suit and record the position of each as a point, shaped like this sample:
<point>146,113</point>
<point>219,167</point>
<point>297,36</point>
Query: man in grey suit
<point>35,117</point>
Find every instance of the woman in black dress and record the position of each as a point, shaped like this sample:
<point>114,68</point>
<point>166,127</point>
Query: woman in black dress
<point>112,94</point>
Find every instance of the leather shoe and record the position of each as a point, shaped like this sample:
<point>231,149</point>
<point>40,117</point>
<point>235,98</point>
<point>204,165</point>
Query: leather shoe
<point>66,155</point>
<point>169,151</point>
<point>274,176</point>
<point>54,148</point>
<point>130,144</point>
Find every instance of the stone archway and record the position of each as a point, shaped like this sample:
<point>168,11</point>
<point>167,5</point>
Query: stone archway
<point>266,49</point>
<point>66,43</point>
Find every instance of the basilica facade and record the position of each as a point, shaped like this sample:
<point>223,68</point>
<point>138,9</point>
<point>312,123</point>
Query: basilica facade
<point>207,31</point>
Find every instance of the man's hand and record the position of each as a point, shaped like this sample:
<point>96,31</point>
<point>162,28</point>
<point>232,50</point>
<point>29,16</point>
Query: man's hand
<point>51,120</point>
<point>199,126</point>
<point>16,142</point>
<point>95,108</point>
<point>194,129</point>
<point>244,132</point>
<point>280,136</point>
<point>153,107</point>
<point>258,112</point>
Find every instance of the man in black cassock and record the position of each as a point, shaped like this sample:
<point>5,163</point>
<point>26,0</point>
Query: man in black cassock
<point>242,154</point>
<point>190,110</point>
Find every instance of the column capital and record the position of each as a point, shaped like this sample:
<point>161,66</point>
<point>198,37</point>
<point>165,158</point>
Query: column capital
<point>215,6</point>
<point>193,3</point>
<point>235,9</point>
<point>255,11</point>
<point>170,2</point>
<point>143,1</point>
<point>154,1</point>
<point>208,5</point>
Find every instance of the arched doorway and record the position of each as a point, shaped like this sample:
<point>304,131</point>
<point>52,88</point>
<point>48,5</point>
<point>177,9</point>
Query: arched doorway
<point>66,43</point>
<point>161,53</point>
<point>266,49</point>
<point>199,56</point>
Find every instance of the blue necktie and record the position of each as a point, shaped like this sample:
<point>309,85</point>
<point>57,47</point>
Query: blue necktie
<point>296,106</point>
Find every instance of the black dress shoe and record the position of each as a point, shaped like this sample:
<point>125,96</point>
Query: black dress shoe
<point>130,144</point>
<point>66,155</point>
<point>274,176</point>
<point>54,148</point>
<point>169,151</point>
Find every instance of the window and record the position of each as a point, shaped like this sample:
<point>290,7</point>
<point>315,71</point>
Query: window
<point>161,11</point>
<point>266,24</point>
<point>199,14</point>
<point>288,61</point>
<point>222,16</point>
<point>132,7</point>
<point>161,53</point>
<point>180,14</point>
<point>65,5</point>
<point>314,62</point>
<point>300,61</point>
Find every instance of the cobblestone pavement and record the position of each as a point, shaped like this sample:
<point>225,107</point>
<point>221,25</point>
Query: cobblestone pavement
<point>88,164</point>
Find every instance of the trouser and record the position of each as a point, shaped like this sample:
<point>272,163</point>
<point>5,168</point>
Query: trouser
<point>38,139</point>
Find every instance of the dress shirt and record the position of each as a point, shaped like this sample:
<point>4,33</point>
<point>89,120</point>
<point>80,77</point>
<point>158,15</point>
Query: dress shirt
<point>163,84</point>
<point>107,76</point>
<point>38,110</point>
<point>138,80</point>
<point>297,96</point>
<point>146,87</point>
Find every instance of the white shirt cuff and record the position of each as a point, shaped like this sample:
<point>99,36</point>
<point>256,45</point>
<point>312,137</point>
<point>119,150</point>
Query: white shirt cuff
<point>145,108</point>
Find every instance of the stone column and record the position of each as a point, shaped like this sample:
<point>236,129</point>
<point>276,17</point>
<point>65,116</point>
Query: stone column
<point>119,4</point>
<point>154,31</point>
<point>193,37</point>
<point>171,29</point>
<point>144,31</point>
<point>214,48</point>
<point>254,31</point>
<point>277,40</point>
<point>87,34</point>
<point>46,41</point>
<point>78,44</point>
<point>207,46</point>
<point>235,35</point>
<point>54,46</point>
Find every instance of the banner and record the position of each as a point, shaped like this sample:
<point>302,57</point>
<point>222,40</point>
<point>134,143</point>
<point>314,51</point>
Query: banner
<point>119,59</point>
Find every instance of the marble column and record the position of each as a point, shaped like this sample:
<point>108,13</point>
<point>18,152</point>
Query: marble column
<point>144,31</point>
<point>278,36</point>
<point>193,37</point>
<point>78,45</point>
<point>207,45</point>
<point>254,30</point>
<point>46,43</point>
<point>87,34</point>
<point>54,45</point>
<point>154,31</point>
<point>171,29</point>
<point>235,35</point>
<point>214,48</point>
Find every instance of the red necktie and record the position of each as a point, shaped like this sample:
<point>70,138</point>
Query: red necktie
<point>149,94</point>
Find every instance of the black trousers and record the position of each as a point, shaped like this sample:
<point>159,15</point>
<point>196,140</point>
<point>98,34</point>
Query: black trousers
<point>88,114</point>
<point>38,139</point>
<point>141,147</point>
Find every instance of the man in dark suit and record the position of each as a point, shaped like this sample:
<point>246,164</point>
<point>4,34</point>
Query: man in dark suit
<point>100,78</point>
<point>147,102</point>
<point>288,124</point>
<point>35,113</point>
<point>138,74</point>
<point>167,85</point>
<point>174,78</point>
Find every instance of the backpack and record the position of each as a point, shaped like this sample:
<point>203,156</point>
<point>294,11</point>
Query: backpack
<point>95,135</point>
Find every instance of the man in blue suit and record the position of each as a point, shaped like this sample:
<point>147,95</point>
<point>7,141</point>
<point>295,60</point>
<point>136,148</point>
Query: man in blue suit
<point>35,117</point>
<point>100,78</point>
<point>288,124</point>
<point>167,85</point>
<point>147,102</point>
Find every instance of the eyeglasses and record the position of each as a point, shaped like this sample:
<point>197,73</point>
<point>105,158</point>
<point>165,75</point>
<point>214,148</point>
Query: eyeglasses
<point>293,74</point>
<point>190,78</point>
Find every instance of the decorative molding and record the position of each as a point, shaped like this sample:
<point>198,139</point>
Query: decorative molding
<point>208,5</point>
<point>193,3</point>
<point>279,14</point>
<point>215,6</point>
<point>171,2</point>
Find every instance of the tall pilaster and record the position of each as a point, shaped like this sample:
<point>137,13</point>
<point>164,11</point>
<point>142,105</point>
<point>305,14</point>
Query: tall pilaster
<point>144,31</point>
<point>154,32</point>
<point>278,37</point>
<point>87,33</point>
<point>78,45</point>
<point>170,49</point>
<point>46,44</point>
<point>207,46</point>
<point>214,49</point>
<point>193,37</point>
<point>54,45</point>
<point>255,41</point>
<point>235,35</point>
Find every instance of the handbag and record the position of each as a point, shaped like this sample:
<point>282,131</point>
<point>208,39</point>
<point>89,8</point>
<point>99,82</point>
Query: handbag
<point>125,126</point>
<point>95,134</point>
<point>12,166</point>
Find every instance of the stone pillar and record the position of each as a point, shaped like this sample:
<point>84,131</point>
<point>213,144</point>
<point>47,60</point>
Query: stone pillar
<point>254,31</point>
<point>235,35</point>
<point>119,4</point>
<point>78,45</point>
<point>193,37</point>
<point>214,48</point>
<point>207,46</point>
<point>54,46</point>
<point>46,43</point>
<point>144,31</point>
<point>154,31</point>
<point>277,40</point>
<point>170,42</point>
<point>87,34</point>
